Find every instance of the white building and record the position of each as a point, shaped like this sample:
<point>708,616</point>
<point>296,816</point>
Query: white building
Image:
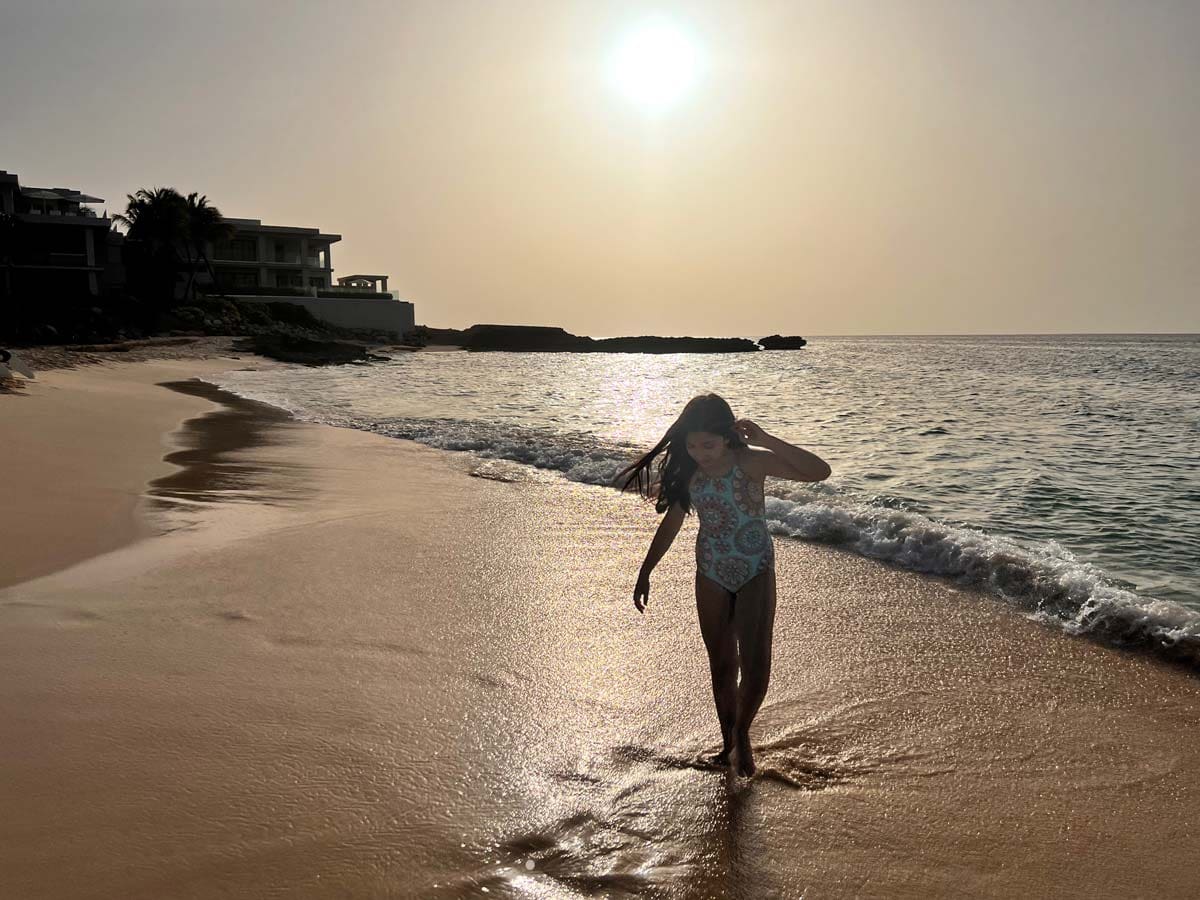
<point>277,263</point>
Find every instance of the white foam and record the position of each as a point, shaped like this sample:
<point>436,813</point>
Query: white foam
<point>1041,578</point>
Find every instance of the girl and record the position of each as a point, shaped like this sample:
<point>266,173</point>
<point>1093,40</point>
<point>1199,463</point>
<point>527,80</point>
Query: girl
<point>707,463</point>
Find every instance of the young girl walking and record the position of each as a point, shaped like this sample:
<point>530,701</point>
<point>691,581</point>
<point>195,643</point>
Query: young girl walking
<point>707,464</point>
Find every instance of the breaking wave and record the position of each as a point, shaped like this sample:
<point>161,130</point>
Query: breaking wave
<point>1042,579</point>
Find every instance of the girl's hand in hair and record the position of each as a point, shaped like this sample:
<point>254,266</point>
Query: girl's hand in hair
<point>750,432</point>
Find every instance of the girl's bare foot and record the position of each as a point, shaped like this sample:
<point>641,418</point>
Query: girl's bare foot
<point>719,759</point>
<point>745,756</point>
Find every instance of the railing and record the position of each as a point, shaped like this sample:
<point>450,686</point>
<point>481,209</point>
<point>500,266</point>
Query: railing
<point>256,290</point>
<point>287,259</point>
<point>343,291</point>
<point>337,293</point>
<point>322,293</point>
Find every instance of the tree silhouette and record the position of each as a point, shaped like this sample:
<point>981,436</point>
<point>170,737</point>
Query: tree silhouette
<point>205,228</point>
<point>168,233</point>
<point>156,228</point>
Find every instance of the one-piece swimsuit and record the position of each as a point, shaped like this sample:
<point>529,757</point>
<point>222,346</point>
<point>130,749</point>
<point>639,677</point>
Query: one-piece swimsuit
<point>733,544</point>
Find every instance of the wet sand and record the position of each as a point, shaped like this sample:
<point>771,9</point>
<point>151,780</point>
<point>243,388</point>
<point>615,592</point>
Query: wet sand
<point>303,661</point>
<point>78,447</point>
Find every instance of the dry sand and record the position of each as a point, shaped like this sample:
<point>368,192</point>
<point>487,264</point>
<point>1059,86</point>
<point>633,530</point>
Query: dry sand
<point>315,662</point>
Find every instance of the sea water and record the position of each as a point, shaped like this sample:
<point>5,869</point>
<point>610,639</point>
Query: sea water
<point>1057,472</point>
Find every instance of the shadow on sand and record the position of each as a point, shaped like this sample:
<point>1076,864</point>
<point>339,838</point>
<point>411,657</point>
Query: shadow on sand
<point>214,466</point>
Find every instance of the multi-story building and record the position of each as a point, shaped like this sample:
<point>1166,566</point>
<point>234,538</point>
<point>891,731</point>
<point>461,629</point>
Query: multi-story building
<point>276,263</point>
<point>53,245</point>
<point>52,242</point>
<point>273,256</point>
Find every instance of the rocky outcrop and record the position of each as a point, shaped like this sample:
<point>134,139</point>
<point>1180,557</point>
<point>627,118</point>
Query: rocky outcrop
<point>442,337</point>
<point>308,351</point>
<point>779,342</point>
<point>523,338</point>
<point>544,339</point>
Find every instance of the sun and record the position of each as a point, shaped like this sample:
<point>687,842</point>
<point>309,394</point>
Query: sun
<point>655,65</point>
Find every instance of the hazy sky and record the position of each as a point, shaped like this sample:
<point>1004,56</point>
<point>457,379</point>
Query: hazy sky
<point>835,167</point>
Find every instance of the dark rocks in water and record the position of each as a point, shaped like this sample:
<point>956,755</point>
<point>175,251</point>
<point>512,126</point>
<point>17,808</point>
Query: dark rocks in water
<point>445,337</point>
<point>779,342</point>
<point>522,338</point>
<point>545,339</point>
<point>286,348</point>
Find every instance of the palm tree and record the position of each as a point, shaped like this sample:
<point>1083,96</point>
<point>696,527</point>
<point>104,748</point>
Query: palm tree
<point>157,221</point>
<point>205,227</point>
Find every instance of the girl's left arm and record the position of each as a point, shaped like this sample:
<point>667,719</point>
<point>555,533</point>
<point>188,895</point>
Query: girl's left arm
<point>783,460</point>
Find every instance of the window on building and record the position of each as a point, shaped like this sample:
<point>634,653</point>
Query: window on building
<point>237,278</point>
<point>287,251</point>
<point>239,249</point>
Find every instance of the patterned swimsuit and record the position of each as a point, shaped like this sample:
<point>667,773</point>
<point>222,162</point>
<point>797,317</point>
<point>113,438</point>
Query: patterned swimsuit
<point>733,545</point>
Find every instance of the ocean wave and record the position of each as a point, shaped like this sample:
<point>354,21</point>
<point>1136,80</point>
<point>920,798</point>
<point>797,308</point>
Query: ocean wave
<point>1042,579</point>
<point>577,458</point>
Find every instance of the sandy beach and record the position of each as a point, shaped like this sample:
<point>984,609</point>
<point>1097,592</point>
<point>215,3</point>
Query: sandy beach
<point>242,655</point>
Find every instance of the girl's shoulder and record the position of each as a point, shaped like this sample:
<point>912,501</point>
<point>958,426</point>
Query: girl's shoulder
<point>750,461</point>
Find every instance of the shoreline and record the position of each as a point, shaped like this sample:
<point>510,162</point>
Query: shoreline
<point>71,430</point>
<point>274,685</point>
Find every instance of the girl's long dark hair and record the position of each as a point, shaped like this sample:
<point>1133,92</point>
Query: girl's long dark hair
<point>708,412</point>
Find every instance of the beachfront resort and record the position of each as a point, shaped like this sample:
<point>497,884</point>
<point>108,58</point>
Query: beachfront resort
<point>56,245</point>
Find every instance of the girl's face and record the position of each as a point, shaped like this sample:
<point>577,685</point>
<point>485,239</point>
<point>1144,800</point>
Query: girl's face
<point>706,448</point>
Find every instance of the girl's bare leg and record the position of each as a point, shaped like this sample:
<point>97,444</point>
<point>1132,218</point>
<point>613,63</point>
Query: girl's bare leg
<point>754,622</point>
<point>713,604</point>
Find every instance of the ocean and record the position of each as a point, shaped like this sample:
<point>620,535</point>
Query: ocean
<point>1057,472</point>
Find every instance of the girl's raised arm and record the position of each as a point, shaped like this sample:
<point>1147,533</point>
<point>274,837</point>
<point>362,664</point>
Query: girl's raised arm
<point>783,460</point>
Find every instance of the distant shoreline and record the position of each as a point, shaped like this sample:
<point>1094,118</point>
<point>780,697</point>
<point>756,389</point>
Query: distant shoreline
<point>548,339</point>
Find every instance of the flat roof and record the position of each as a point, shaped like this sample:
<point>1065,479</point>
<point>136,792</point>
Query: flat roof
<point>58,193</point>
<point>256,225</point>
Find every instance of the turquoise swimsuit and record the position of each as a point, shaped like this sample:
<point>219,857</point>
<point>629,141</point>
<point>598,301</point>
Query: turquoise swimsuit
<point>733,545</point>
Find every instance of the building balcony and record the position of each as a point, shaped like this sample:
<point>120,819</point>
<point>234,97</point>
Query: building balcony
<point>325,293</point>
<point>268,263</point>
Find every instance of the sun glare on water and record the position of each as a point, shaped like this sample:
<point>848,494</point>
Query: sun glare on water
<point>655,65</point>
